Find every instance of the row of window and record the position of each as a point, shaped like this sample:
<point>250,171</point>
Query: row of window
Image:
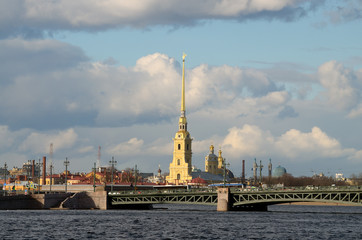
<point>179,146</point>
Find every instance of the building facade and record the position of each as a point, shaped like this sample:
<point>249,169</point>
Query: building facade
<point>214,164</point>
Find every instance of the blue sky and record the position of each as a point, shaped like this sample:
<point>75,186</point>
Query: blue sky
<point>264,79</point>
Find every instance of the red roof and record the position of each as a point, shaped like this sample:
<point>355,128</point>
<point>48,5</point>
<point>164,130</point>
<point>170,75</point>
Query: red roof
<point>198,180</point>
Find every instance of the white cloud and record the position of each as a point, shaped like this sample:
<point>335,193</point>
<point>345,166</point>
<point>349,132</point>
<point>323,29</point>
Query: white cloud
<point>247,141</point>
<point>312,145</point>
<point>217,86</point>
<point>105,95</point>
<point>146,96</point>
<point>294,145</point>
<point>343,87</point>
<point>338,81</point>
<point>130,148</point>
<point>40,142</point>
<point>31,17</point>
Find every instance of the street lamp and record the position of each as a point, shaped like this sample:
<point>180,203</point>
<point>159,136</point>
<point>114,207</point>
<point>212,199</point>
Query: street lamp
<point>66,164</point>
<point>112,162</point>
<point>94,178</point>
<point>260,174</point>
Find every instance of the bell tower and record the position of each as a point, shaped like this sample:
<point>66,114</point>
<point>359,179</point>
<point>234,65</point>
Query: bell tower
<point>181,165</point>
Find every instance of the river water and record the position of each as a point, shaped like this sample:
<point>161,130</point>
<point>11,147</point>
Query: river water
<point>185,222</point>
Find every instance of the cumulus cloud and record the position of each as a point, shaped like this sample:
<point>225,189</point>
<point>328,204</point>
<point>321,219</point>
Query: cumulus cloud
<point>251,141</point>
<point>132,147</point>
<point>39,142</point>
<point>72,91</point>
<point>247,141</point>
<point>32,17</point>
<point>343,87</point>
<point>224,84</point>
<point>312,145</point>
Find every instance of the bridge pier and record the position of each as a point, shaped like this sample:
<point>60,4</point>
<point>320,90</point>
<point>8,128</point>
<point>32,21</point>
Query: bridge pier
<point>223,199</point>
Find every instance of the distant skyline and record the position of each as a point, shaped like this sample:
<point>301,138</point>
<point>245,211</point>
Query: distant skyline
<point>264,79</point>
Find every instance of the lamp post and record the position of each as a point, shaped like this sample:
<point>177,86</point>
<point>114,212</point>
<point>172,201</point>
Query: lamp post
<point>66,164</point>
<point>94,178</point>
<point>5,172</point>
<point>112,162</point>
<point>260,174</point>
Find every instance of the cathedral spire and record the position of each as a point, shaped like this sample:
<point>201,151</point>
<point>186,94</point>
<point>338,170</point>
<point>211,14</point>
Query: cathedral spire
<point>183,110</point>
<point>181,165</point>
<point>183,122</point>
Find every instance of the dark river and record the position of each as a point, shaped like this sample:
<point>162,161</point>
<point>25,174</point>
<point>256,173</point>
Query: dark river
<point>184,222</point>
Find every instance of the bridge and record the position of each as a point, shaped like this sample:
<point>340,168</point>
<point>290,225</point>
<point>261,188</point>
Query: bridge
<point>233,199</point>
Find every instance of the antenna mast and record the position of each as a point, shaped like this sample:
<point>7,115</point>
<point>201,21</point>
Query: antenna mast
<point>51,166</point>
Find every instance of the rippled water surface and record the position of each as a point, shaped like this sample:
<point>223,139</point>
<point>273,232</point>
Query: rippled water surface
<point>185,222</point>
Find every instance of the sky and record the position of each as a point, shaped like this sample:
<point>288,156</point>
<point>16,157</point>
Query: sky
<point>265,79</point>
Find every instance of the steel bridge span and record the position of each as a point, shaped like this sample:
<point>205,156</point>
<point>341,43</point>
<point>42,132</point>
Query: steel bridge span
<point>239,200</point>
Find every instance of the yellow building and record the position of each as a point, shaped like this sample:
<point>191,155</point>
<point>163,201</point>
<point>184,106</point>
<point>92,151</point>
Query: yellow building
<point>213,163</point>
<point>220,162</point>
<point>181,165</point>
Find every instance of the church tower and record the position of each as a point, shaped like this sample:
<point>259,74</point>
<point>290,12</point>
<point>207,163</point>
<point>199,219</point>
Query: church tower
<point>181,165</point>
<point>220,163</point>
<point>211,164</point>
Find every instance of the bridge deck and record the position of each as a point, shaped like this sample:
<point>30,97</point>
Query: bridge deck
<point>239,198</point>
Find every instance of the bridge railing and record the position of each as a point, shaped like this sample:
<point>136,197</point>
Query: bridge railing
<point>194,190</point>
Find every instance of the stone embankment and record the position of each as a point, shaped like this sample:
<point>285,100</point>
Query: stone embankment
<point>80,200</point>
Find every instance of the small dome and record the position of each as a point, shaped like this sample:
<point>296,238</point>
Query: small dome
<point>279,171</point>
<point>229,173</point>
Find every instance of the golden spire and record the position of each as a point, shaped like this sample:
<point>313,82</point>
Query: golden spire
<point>183,110</point>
